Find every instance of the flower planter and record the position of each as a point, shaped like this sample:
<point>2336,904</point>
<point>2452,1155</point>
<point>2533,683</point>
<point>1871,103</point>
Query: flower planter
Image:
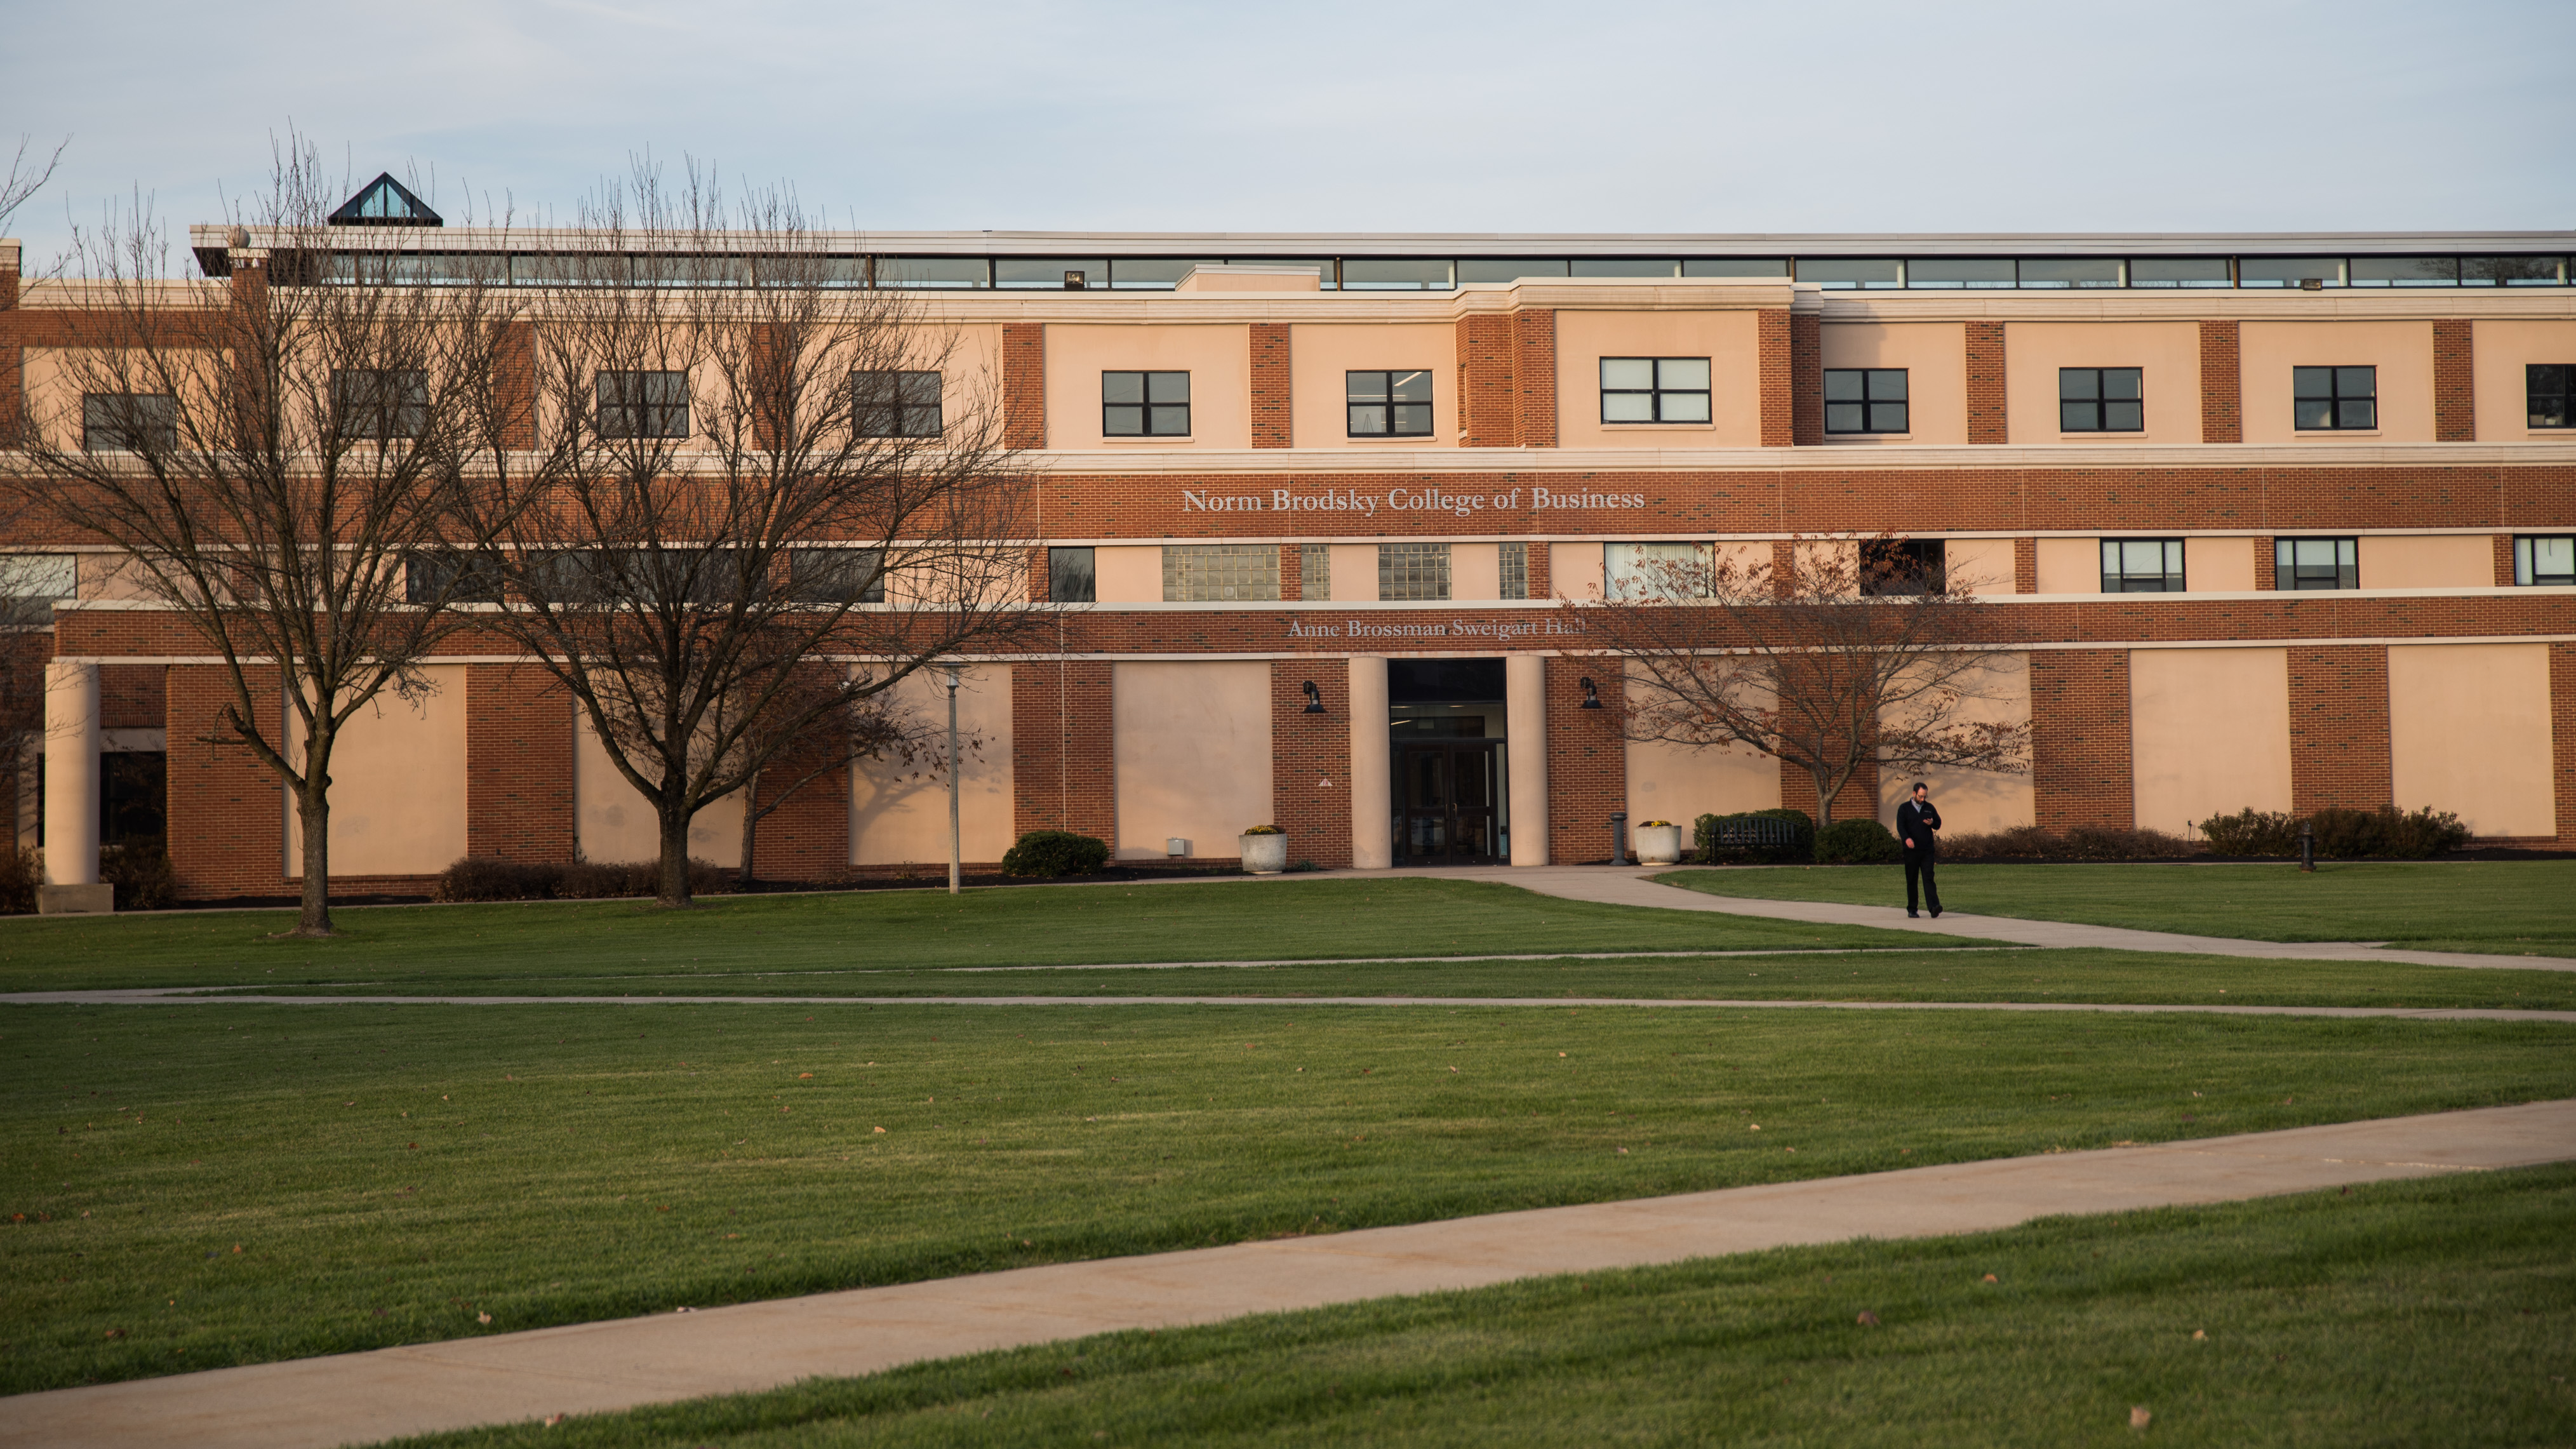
<point>1658,844</point>
<point>1265,854</point>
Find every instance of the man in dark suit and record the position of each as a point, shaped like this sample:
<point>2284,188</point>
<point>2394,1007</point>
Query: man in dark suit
<point>1918,825</point>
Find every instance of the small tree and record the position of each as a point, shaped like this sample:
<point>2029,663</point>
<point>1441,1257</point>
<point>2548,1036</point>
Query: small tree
<point>267,458</point>
<point>1825,653</point>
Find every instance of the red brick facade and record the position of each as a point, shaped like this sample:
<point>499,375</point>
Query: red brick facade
<point>1488,407</point>
<point>1807,378</point>
<point>2222,416</point>
<point>1534,377</point>
<point>227,810</point>
<point>2562,727</point>
<point>1064,775</point>
<point>2267,565</point>
<point>1988,421</point>
<point>2025,565</point>
<point>1024,385</point>
<point>1310,760</point>
<point>2080,739</point>
<point>1587,761</point>
<point>1271,426</point>
<point>2339,751</point>
<point>518,764</point>
<point>2455,376</point>
<point>1779,378</point>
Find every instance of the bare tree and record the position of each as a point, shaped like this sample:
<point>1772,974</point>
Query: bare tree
<point>27,175</point>
<point>845,733</point>
<point>1825,653</point>
<point>749,465</point>
<point>269,457</point>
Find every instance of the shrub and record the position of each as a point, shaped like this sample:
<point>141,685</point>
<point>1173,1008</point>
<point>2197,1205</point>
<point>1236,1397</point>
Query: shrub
<point>1855,842</point>
<point>1704,833</point>
<point>140,871</point>
<point>2251,832</point>
<point>2341,834</point>
<point>1263,830</point>
<point>2084,842</point>
<point>481,878</point>
<point>2426,832</point>
<point>586,880</point>
<point>485,878</point>
<point>20,873</point>
<point>1052,853</point>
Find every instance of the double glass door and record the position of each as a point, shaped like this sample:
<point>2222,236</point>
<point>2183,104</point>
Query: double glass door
<point>1448,794</point>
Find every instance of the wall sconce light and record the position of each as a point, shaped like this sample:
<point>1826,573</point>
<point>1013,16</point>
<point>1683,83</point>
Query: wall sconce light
<point>1314,697</point>
<point>1591,695</point>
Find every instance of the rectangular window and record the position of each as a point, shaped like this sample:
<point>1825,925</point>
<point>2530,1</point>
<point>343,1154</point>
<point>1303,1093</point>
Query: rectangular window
<point>38,576</point>
<point>1072,274</point>
<point>1861,272</point>
<point>1958,272</point>
<point>1145,405</point>
<point>1892,566</point>
<point>129,422</point>
<point>2316,563</point>
<point>1073,576</point>
<point>1215,573</point>
<point>1735,267</point>
<point>1509,269</point>
<point>2509,271</point>
<point>2048,272</point>
<point>953,273</point>
<point>1389,404</point>
<point>2551,387</point>
<point>896,404</point>
<point>1515,570</point>
<point>2101,400</point>
<point>2545,559</point>
<point>2405,271</point>
<point>2335,398</point>
<point>1315,570</point>
<point>2179,272</point>
<point>1654,390</point>
<point>2142,566</point>
<point>836,575</point>
<point>1412,571</point>
<point>1865,400</point>
<point>643,404</point>
<point>1385,274</point>
<point>455,578</point>
<point>2309,272</point>
<point>379,402</point>
<point>1654,570</point>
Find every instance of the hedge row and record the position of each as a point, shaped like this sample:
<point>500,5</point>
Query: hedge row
<point>482,878</point>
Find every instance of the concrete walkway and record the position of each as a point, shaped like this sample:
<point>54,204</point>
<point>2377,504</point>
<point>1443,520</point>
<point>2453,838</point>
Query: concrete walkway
<point>597,1367</point>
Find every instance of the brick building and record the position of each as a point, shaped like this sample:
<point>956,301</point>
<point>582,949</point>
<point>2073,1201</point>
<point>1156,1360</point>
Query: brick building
<point>2274,521</point>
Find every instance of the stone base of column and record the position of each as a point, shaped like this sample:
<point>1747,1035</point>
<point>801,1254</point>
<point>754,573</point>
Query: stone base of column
<point>75,900</point>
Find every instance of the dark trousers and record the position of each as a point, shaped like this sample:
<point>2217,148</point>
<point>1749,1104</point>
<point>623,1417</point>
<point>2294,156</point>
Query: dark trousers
<point>1919,864</point>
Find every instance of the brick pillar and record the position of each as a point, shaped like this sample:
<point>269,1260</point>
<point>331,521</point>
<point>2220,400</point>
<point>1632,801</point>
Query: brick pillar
<point>1270,394</point>
<point>2025,565</point>
<point>1292,571</point>
<point>1485,408</point>
<point>1024,385</point>
<point>518,764</point>
<point>2339,727</point>
<point>2222,418</point>
<point>2080,744</point>
<point>514,384</point>
<point>2504,560</point>
<point>1987,420</point>
<point>1310,759</point>
<point>227,810</point>
<point>1064,775</point>
<point>1807,380</point>
<point>1534,376</point>
<point>2455,400</point>
<point>1587,761</point>
<point>1542,570</point>
<point>2562,736</point>
<point>807,836</point>
<point>1779,378</point>
<point>2267,568</point>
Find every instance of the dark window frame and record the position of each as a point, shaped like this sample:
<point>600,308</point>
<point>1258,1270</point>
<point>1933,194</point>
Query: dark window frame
<point>825,575</point>
<point>2526,571</point>
<point>642,414</point>
<point>461,578</point>
<point>1655,392</point>
<point>2338,401</point>
<point>2289,575</point>
<point>1387,403</point>
<point>1869,403</point>
<point>1903,567</point>
<point>103,432</point>
<point>1150,407</point>
<point>1073,576</point>
<point>907,406</point>
<point>2539,395</point>
<point>358,400</point>
<point>2168,579</point>
<point>2098,405</point>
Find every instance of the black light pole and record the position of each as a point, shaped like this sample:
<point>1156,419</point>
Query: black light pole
<point>954,855</point>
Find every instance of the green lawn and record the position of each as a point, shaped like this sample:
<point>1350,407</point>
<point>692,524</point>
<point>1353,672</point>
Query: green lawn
<point>391,1173</point>
<point>472,947</point>
<point>2432,1312</point>
<point>2508,907</point>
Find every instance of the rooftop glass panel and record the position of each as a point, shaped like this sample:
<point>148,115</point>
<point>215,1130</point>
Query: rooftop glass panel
<point>2070,271</point>
<point>1959,272</point>
<point>1626,267</point>
<point>1163,272</point>
<point>2289,271</point>
<point>1056,272</point>
<point>2405,271</point>
<point>1508,269</point>
<point>948,272</point>
<point>2178,272</point>
<point>1323,266</point>
<point>1735,266</point>
<point>2511,271</point>
<point>1852,271</point>
<point>1394,274</point>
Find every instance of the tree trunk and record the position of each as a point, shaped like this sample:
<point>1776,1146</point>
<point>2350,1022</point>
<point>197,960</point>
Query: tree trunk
<point>313,814</point>
<point>1826,789</point>
<point>750,829</point>
<point>674,891</point>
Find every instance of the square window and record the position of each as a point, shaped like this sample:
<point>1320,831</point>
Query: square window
<point>2316,563</point>
<point>1145,404</point>
<point>2142,566</point>
<point>896,404</point>
<point>2101,400</point>
<point>1654,389</point>
<point>129,422</point>
<point>1072,576</point>
<point>1389,404</point>
<point>1865,400</point>
<point>2545,559</point>
<point>643,404</point>
<point>2334,398</point>
<point>1904,566</point>
<point>1412,571</point>
<point>2550,388</point>
<point>382,403</point>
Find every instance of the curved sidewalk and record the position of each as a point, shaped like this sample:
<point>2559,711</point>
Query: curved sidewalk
<point>598,1367</point>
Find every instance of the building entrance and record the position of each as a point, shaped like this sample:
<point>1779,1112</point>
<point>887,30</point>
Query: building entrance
<point>1451,803</point>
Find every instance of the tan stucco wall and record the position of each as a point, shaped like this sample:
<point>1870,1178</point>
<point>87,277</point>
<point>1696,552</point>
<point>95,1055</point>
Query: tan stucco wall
<point>2468,732</point>
<point>1974,800</point>
<point>2502,350</point>
<point>1218,358</point>
<point>2402,351</point>
<point>899,816</point>
<point>1193,755</point>
<point>1731,341</point>
<point>1354,573</point>
<point>2168,353</point>
<point>2209,733</point>
<point>1127,575</point>
<point>1680,784</point>
<point>109,576</point>
<point>397,785</point>
<point>614,824</point>
<point>1320,354</point>
<point>1475,571</point>
<point>2070,565</point>
<point>1935,356</point>
<point>2218,565</point>
<point>1574,571</point>
<point>1979,565</point>
<point>2428,561</point>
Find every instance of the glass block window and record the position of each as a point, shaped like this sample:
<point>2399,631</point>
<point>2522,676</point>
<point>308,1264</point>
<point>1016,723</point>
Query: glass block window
<point>2101,400</point>
<point>2545,559</point>
<point>1865,400</point>
<point>1413,571</point>
<point>1217,573</point>
<point>643,404</point>
<point>1315,570</point>
<point>2142,566</point>
<point>1389,404</point>
<point>896,404</point>
<point>2316,563</point>
<point>1515,570</point>
<point>2551,389</point>
<point>2335,397</point>
<point>129,422</point>
<point>1072,576</point>
<point>1145,405</point>
<point>1654,390</point>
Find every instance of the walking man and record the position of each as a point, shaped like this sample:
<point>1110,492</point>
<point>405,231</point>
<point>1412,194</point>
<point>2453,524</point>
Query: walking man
<point>1918,825</point>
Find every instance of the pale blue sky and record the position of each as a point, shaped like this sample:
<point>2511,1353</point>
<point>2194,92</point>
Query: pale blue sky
<point>1859,115</point>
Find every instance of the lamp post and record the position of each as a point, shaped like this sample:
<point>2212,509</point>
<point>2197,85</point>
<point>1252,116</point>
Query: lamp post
<point>954,855</point>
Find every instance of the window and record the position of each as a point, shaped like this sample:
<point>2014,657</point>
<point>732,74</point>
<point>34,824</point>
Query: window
<point>836,575</point>
<point>643,404</point>
<point>2179,272</point>
<point>1654,570</point>
<point>1366,274</point>
<point>2509,271</point>
<point>896,404</point>
<point>2100,400</point>
<point>2335,397</point>
<point>1515,570</point>
<point>2316,563</point>
<point>954,273</point>
<point>641,580</point>
<point>1893,566</point>
<point>2551,387</point>
<point>1315,570</point>
<point>1841,272</point>
<point>1073,576</point>
<point>1625,267</point>
<point>2308,272</point>
<point>1508,269</point>
<point>379,403</point>
<point>1959,272</point>
<point>2142,566</point>
<point>129,422</point>
<point>1389,404</point>
<point>1654,389</point>
<point>1736,267</point>
<point>1072,274</point>
<point>1211,573</point>
<point>1413,571</point>
<point>1865,400</point>
<point>2405,271</point>
<point>2546,559</point>
<point>1145,404</point>
<point>38,576</point>
<point>455,578</point>
<point>2070,271</point>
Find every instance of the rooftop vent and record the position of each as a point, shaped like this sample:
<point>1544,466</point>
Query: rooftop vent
<point>385,202</point>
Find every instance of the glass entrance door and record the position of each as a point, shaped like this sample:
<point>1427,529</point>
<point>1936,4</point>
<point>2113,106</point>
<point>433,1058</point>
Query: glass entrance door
<point>1447,794</point>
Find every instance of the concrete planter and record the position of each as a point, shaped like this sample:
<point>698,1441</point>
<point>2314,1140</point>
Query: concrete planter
<point>1265,854</point>
<point>1658,844</point>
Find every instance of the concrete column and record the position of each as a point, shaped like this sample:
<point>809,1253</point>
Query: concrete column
<point>71,773</point>
<point>1372,785</point>
<point>1525,698</point>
